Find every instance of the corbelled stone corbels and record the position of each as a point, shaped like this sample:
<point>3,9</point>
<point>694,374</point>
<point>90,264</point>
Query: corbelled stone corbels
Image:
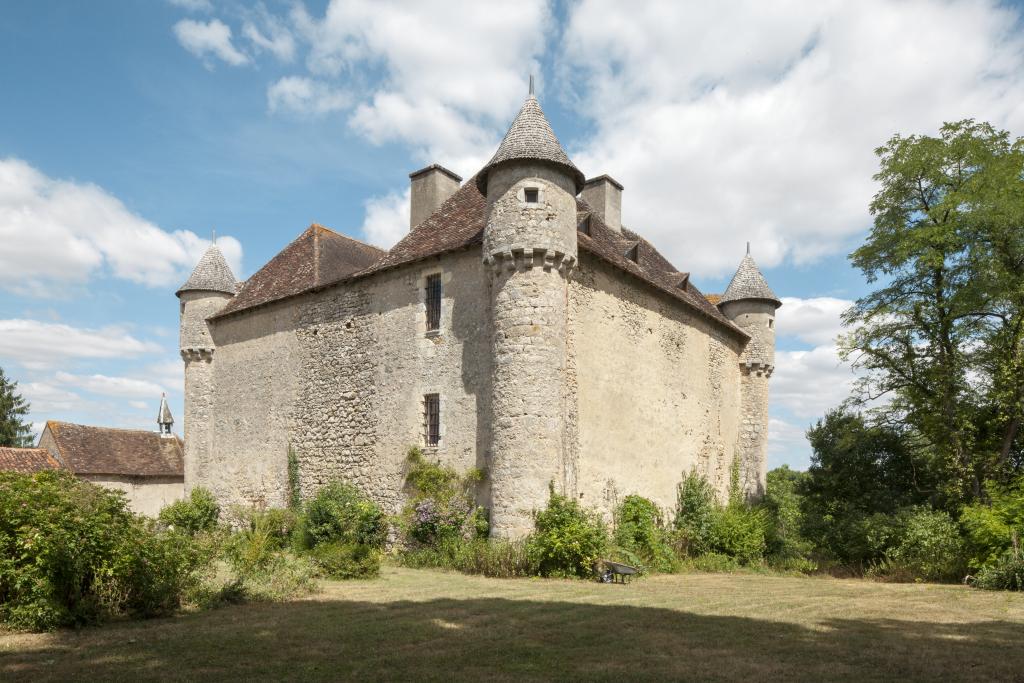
<point>525,259</point>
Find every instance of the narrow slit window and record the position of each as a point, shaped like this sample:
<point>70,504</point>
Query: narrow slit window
<point>432,419</point>
<point>532,195</point>
<point>771,322</point>
<point>433,293</point>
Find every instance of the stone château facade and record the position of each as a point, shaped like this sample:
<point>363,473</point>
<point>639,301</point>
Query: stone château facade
<point>519,327</point>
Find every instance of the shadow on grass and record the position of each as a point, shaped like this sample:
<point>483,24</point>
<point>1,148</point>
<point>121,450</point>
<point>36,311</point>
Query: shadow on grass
<point>498,639</point>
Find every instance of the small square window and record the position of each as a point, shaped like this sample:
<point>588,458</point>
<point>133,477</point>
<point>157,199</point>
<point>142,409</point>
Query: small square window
<point>432,419</point>
<point>532,195</point>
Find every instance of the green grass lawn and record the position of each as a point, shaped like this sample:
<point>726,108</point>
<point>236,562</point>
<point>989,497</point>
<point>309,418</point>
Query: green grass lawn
<point>418,624</point>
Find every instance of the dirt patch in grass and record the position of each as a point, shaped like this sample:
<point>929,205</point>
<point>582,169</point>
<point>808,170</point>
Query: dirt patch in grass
<point>418,624</point>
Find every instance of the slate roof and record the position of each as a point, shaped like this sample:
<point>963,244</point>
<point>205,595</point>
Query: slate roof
<point>26,460</point>
<point>530,137</point>
<point>318,256</point>
<point>124,452</point>
<point>211,274</point>
<point>749,283</point>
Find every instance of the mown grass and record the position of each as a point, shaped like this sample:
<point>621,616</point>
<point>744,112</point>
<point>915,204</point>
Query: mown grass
<point>430,625</point>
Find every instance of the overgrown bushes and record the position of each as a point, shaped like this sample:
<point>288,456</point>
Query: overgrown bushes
<point>197,513</point>
<point>72,553</point>
<point>567,539</point>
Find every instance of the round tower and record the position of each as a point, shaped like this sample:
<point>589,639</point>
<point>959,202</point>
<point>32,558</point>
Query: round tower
<point>529,249</point>
<point>207,291</point>
<point>751,304</point>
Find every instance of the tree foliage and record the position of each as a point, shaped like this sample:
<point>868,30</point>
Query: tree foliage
<point>14,431</point>
<point>942,337</point>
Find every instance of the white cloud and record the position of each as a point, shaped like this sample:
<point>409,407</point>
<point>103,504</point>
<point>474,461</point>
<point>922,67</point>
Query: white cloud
<point>203,39</point>
<point>46,398</point>
<point>387,219</point>
<point>763,129</point>
<point>453,73</point>
<point>111,386</point>
<point>813,321</point>
<point>38,344</point>
<point>274,37</point>
<point>193,5</point>
<point>301,95</point>
<point>57,232</point>
<point>808,383</point>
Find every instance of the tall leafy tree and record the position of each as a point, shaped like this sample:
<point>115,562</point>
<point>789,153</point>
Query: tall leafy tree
<point>940,337</point>
<point>14,431</point>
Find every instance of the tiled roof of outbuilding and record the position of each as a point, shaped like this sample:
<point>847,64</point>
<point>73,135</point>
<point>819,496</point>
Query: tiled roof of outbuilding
<point>125,452</point>
<point>530,137</point>
<point>211,274</point>
<point>318,256</point>
<point>749,283</point>
<point>26,460</point>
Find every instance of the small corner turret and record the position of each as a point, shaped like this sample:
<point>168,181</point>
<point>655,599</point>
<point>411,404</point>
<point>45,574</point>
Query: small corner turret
<point>751,304</point>
<point>210,287</point>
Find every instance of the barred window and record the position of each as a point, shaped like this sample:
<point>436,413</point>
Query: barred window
<point>432,419</point>
<point>433,292</point>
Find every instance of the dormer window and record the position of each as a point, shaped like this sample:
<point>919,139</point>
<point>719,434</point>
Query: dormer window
<point>532,195</point>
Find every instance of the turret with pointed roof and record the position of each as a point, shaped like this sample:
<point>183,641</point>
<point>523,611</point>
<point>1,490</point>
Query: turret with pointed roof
<point>211,274</point>
<point>530,247</point>
<point>749,283</point>
<point>530,138</point>
<point>751,304</point>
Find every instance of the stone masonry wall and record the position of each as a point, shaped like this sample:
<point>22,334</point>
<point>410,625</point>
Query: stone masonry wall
<point>369,361</point>
<point>658,390</point>
<point>256,369</point>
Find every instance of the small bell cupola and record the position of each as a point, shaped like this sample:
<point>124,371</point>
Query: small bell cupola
<point>164,418</point>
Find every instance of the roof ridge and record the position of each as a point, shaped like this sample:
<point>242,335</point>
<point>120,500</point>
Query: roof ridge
<point>348,237</point>
<point>113,429</point>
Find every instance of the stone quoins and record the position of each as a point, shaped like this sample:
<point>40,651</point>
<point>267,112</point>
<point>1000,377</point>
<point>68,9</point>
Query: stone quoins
<point>194,353</point>
<point>525,259</point>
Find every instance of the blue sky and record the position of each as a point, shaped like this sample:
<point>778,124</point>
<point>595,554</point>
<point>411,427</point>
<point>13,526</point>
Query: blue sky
<point>130,130</point>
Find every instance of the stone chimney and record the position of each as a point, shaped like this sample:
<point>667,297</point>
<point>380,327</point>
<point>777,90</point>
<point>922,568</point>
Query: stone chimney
<point>604,195</point>
<point>430,187</point>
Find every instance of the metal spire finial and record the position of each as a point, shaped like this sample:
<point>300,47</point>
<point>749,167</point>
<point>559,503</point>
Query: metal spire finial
<point>531,85</point>
<point>748,248</point>
<point>213,231</point>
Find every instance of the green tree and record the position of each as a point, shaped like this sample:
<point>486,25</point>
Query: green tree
<point>14,431</point>
<point>860,477</point>
<point>942,337</point>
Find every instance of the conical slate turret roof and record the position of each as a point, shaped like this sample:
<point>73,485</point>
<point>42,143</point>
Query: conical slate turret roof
<point>530,138</point>
<point>211,274</point>
<point>749,283</point>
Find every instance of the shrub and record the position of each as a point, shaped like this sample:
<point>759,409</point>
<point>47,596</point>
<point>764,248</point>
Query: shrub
<point>990,528</point>
<point>283,576</point>
<point>567,540</point>
<point>784,540</point>
<point>713,562</point>
<point>929,548</point>
<point>199,512</point>
<point>263,534</point>
<point>71,553</point>
<point>739,531</point>
<point>340,512</point>
<point>441,507</point>
<point>695,509</point>
<point>495,558</point>
<point>1007,573</point>
<point>340,560</point>
<point>639,531</point>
